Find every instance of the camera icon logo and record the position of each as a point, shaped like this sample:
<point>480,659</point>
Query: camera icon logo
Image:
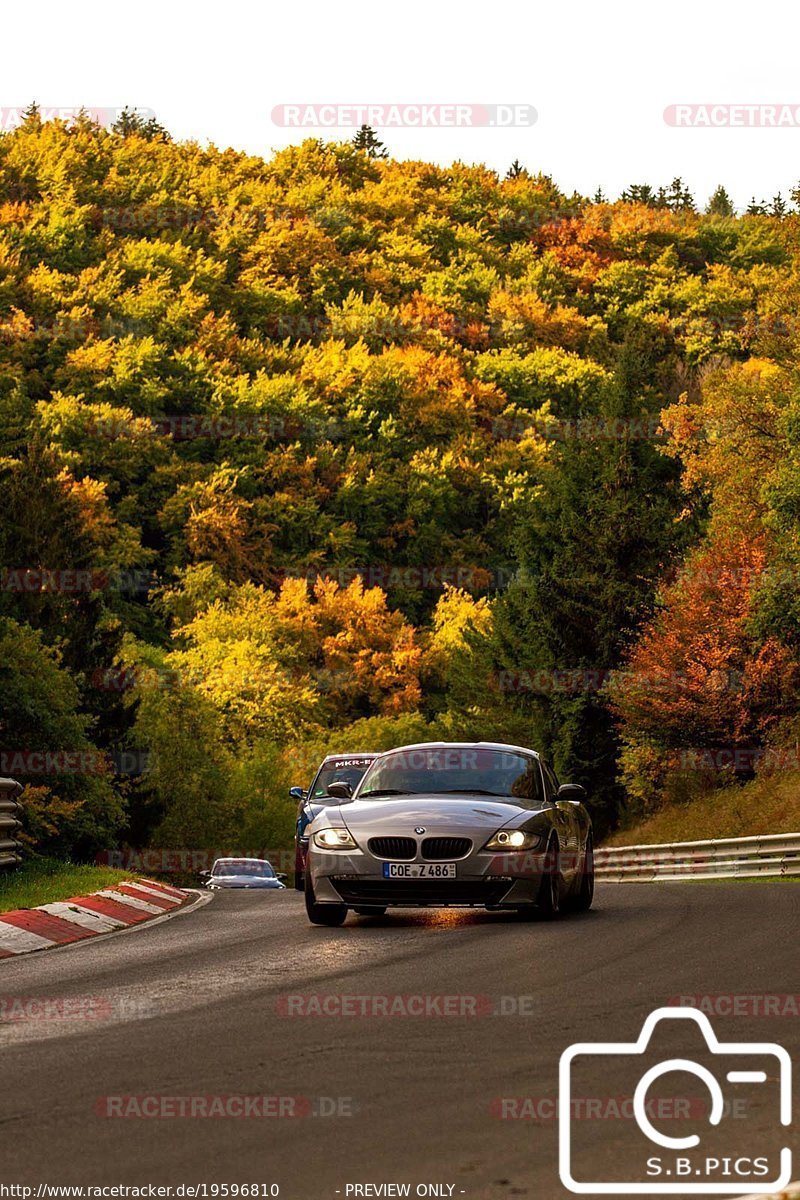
<point>683,1165</point>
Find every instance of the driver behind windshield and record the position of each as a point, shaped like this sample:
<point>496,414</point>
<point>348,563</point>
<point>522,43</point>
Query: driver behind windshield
<point>261,869</point>
<point>493,773</point>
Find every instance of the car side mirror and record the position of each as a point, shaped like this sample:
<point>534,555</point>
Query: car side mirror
<point>574,792</point>
<point>281,877</point>
<point>297,793</point>
<point>206,874</point>
<point>340,790</point>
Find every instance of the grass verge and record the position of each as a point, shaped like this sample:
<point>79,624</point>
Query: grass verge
<point>770,804</point>
<point>42,880</point>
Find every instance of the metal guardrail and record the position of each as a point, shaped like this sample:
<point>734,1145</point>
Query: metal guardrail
<point>771,855</point>
<point>10,813</point>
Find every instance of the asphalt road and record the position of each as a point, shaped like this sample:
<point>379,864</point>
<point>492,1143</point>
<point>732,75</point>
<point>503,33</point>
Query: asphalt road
<point>197,1006</point>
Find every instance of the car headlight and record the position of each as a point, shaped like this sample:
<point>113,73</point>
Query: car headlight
<point>514,839</point>
<point>334,839</point>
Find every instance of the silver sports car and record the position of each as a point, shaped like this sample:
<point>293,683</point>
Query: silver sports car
<point>244,873</point>
<point>477,824</point>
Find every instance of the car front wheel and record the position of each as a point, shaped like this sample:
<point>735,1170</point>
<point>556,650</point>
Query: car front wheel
<point>322,914</point>
<point>581,901</point>
<point>549,902</point>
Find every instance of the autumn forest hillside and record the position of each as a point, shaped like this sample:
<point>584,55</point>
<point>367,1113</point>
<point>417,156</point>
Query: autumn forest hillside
<point>329,450</point>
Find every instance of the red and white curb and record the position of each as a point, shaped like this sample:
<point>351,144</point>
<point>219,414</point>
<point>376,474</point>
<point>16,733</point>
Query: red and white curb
<point>81,917</point>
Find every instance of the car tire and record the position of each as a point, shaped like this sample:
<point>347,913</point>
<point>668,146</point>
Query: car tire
<point>549,899</point>
<point>581,901</point>
<point>323,914</point>
<point>374,910</point>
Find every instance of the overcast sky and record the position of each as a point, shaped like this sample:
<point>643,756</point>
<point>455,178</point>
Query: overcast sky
<point>599,75</point>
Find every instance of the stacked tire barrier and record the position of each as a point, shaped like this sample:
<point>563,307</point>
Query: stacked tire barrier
<point>10,814</point>
<point>772,855</point>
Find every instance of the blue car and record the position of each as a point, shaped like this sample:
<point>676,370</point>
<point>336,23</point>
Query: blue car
<point>336,768</point>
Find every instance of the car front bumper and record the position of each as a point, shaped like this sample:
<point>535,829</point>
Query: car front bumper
<point>485,880</point>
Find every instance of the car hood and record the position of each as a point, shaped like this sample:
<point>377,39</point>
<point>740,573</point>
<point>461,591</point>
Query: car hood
<point>440,815</point>
<point>314,809</point>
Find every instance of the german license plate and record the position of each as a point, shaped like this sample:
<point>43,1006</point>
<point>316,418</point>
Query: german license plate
<point>419,870</point>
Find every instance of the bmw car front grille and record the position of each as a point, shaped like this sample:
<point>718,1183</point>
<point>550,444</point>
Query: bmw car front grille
<point>438,849</point>
<point>393,847</point>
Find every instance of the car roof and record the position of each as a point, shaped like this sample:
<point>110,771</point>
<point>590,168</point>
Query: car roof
<point>238,858</point>
<point>466,746</point>
<point>352,754</point>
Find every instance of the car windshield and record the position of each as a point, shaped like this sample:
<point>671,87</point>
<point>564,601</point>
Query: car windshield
<point>243,866</point>
<point>450,770</point>
<point>350,771</point>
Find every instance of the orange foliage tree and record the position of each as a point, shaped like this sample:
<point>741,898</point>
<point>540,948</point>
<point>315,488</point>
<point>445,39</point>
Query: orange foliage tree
<point>700,678</point>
